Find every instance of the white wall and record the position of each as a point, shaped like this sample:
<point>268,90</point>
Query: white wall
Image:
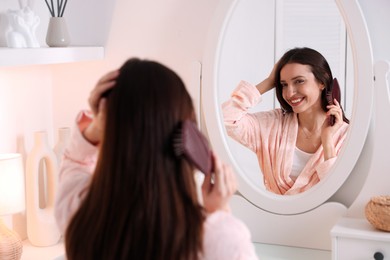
<point>170,31</point>
<point>25,105</point>
<point>377,17</point>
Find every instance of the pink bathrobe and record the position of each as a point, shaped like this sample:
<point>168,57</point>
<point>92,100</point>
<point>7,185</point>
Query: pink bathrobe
<point>225,237</point>
<point>272,135</point>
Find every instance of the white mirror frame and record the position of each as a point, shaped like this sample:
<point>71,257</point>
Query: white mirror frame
<point>360,120</point>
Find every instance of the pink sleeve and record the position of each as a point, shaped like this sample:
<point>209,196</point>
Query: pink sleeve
<point>75,174</point>
<point>323,168</point>
<point>226,237</point>
<point>241,125</point>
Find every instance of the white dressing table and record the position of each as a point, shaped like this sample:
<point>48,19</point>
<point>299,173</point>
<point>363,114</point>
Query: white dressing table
<point>264,252</point>
<point>351,239</point>
<point>278,252</point>
<point>31,252</point>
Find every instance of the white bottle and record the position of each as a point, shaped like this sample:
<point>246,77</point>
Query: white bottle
<point>41,181</point>
<point>63,140</point>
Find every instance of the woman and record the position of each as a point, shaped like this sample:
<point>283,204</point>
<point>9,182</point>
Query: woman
<point>138,199</point>
<point>295,145</point>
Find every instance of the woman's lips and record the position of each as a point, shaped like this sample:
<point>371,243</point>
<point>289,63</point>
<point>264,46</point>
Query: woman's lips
<point>296,101</point>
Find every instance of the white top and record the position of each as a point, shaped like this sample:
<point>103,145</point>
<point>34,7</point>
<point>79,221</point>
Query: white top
<point>299,161</point>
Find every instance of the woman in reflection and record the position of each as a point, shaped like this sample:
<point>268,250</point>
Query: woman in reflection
<point>124,192</point>
<point>297,144</point>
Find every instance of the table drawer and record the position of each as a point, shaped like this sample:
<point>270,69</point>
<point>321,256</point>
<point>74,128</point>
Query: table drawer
<point>358,249</point>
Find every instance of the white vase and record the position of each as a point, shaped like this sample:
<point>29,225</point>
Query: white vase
<point>41,181</point>
<point>63,140</point>
<point>57,33</point>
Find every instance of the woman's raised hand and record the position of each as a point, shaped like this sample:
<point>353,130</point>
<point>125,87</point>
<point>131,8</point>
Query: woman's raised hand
<point>105,83</point>
<point>94,131</point>
<point>218,190</point>
<point>272,75</point>
<point>268,83</point>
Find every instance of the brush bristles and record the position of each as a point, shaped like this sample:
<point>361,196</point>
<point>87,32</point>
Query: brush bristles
<point>178,147</point>
<point>189,142</point>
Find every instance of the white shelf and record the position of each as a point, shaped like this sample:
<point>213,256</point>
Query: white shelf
<point>46,55</point>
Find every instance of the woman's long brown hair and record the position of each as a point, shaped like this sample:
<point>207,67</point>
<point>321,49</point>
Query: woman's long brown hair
<point>142,201</point>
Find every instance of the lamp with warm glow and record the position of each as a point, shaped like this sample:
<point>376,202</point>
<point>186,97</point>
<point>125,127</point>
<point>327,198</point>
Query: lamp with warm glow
<point>12,200</point>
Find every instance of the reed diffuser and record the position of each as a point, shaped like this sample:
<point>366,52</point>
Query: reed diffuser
<point>57,32</point>
<point>60,7</point>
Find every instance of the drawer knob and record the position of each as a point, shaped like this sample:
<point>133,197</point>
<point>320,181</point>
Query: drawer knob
<point>378,256</point>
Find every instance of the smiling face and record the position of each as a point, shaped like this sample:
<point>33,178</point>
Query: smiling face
<point>300,89</point>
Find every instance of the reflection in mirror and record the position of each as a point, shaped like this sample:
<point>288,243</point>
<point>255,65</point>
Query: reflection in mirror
<point>277,27</point>
<point>298,144</point>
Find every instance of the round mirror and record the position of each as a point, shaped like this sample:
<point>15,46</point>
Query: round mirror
<point>245,40</point>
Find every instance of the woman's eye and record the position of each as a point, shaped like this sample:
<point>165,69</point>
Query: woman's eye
<point>283,84</point>
<point>299,81</point>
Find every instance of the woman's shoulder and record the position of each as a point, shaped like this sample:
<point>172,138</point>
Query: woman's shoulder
<point>224,224</point>
<point>227,236</point>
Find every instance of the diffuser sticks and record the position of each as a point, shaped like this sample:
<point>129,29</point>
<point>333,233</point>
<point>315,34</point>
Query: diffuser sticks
<point>60,7</point>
